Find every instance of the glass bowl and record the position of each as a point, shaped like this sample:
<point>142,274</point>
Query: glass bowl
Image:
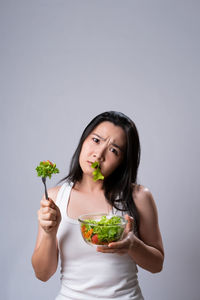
<point>101,228</point>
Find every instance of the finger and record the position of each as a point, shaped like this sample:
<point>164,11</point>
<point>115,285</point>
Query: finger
<point>49,217</point>
<point>130,224</point>
<point>46,213</point>
<point>48,210</point>
<point>120,245</point>
<point>106,250</point>
<point>47,203</point>
<point>56,208</point>
<point>46,224</point>
<point>53,205</point>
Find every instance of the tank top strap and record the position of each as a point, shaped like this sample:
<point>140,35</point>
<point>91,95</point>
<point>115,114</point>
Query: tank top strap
<point>63,196</point>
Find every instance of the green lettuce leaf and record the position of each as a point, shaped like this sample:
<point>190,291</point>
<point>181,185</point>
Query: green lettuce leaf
<point>97,172</point>
<point>46,169</point>
<point>107,230</point>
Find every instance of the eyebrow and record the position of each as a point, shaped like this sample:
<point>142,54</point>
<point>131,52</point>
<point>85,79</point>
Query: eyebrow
<point>115,145</point>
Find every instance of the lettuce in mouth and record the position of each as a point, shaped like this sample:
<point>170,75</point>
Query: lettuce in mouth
<point>102,232</point>
<point>97,171</point>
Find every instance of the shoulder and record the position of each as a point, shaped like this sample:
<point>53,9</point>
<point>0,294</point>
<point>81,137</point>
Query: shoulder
<point>141,193</point>
<point>143,199</point>
<point>149,231</point>
<point>53,192</point>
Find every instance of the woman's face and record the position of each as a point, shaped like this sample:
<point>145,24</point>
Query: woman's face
<point>105,144</point>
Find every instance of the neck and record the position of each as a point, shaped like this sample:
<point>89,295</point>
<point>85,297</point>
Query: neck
<point>88,185</point>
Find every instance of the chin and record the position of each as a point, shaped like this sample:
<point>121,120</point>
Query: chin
<point>87,170</point>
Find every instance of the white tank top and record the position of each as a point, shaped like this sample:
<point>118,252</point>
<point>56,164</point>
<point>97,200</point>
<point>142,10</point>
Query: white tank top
<point>85,273</point>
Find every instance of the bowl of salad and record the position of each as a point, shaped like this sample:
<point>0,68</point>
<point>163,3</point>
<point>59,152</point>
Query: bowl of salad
<point>101,229</point>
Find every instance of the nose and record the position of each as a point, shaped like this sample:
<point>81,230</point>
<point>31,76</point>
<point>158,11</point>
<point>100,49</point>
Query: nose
<point>99,154</point>
<point>98,157</point>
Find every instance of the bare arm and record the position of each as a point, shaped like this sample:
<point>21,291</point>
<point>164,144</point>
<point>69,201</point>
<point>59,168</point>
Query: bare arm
<point>147,249</point>
<point>45,255</point>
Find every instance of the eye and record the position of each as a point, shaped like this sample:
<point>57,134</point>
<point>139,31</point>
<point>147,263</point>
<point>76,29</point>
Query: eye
<point>96,140</point>
<point>114,151</point>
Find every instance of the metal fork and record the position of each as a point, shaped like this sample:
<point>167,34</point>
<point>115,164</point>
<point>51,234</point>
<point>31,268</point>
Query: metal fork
<point>45,187</point>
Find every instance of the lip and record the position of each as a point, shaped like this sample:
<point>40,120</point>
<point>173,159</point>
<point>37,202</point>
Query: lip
<point>90,162</point>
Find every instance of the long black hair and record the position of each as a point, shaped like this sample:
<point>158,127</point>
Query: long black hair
<point>118,186</point>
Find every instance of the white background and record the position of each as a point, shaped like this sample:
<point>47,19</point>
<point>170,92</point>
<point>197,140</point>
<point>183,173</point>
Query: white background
<point>62,63</point>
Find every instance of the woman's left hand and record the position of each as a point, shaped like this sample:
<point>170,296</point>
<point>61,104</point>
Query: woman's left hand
<point>124,245</point>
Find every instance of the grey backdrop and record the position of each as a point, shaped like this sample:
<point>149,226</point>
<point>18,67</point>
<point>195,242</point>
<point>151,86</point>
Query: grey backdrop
<point>63,62</point>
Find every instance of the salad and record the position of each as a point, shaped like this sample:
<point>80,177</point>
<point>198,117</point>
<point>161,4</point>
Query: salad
<point>46,169</point>
<point>97,171</point>
<point>102,232</point>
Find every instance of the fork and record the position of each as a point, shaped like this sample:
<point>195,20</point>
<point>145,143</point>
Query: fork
<point>45,187</point>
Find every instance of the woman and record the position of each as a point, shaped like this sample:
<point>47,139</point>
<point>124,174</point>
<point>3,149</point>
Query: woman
<point>111,138</point>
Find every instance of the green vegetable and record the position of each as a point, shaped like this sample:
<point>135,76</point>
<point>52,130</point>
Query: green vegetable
<point>104,231</point>
<point>46,169</point>
<point>97,172</point>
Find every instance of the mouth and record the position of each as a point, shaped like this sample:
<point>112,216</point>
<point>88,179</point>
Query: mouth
<point>90,162</point>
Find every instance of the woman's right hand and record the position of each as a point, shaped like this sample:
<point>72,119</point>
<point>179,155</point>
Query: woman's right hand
<point>49,216</point>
